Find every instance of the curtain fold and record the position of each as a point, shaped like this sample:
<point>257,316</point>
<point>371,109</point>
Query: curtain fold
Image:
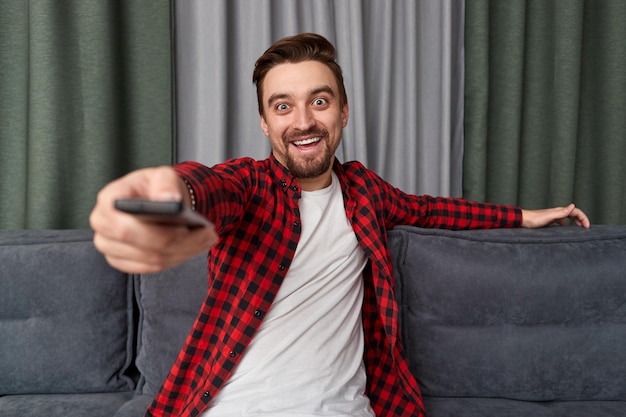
<point>403,69</point>
<point>545,105</point>
<point>85,96</point>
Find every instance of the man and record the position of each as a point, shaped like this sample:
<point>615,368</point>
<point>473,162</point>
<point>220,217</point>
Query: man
<point>300,317</point>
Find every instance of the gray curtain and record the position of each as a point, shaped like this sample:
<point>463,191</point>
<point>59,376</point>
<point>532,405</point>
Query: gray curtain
<point>403,67</point>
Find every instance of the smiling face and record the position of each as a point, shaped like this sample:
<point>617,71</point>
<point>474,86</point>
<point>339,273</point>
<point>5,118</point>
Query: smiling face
<point>303,118</point>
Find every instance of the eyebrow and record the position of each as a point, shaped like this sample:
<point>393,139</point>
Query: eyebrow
<point>281,96</point>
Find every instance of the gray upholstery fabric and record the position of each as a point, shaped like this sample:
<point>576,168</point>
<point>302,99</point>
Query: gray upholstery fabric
<point>495,323</point>
<point>65,316</point>
<point>494,407</point>
<point>168,304</point>
<point>536,315</point>
<point>136,407</point>
<point>64,405</point>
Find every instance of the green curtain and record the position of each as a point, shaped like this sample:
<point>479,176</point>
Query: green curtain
<point>85,96</point>
<point>545,104</point>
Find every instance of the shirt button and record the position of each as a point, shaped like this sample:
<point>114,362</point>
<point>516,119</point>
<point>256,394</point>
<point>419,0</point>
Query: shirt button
<point>294,187</point>
<point>206,394</point>
<point>258,313</point>
<point>296,223</point>
<point>283,184</point>
<point>281,267</point>
<point>231,354</point>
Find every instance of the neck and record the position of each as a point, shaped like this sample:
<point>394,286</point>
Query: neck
<point>317,183</point>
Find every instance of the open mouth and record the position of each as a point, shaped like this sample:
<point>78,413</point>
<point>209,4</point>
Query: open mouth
<point>305,142</point>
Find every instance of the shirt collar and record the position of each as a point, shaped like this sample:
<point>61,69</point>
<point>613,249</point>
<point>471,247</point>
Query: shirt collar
<point>282,177</point>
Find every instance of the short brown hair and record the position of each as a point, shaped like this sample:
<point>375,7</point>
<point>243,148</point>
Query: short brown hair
<point>294,49</point>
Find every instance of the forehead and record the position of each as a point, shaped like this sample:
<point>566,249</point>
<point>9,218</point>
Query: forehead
<point>295,79</point>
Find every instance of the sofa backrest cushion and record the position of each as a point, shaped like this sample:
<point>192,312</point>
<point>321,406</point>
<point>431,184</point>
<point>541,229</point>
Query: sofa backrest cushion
<point>65,315</point>
<point>168,302</point>
<point>521,314</point>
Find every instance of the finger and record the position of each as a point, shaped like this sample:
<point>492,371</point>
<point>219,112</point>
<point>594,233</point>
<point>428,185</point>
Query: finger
<point>104,218</point>
<point>161,183</point>
<point>128,253</point>
<point>165,185</point>
<point>557,215</point>
<point>131,266</point>
<point>561,222</point>
<point>155,244</point>
<point>145,237</point>
<point>568,210</point>
<point>580,218</point>
<point>131,258</point>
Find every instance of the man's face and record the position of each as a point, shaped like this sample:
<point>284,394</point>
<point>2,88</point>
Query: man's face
<point>303,119</point>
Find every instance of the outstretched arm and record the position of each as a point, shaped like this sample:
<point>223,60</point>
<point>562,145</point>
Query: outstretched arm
<point>559,215</point>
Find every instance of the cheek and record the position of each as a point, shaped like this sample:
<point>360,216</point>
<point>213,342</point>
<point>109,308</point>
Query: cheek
<point>336,125</point>
<point>276,133</point>
<point>276,137</point>
<point>276,125</point>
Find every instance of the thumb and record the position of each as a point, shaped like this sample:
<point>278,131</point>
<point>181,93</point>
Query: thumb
<point>165,185</point>
<point>567,210</point>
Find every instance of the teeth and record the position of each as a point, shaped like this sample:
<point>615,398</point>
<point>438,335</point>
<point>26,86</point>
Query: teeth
<point>306,141</point>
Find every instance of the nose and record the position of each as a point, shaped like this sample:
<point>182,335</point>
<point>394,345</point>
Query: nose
<point>304,119</point>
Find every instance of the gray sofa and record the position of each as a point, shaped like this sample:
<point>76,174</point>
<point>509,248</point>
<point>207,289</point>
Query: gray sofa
<point>495,323</point>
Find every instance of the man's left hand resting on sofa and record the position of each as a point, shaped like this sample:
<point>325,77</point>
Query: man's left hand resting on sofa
<point>558,215</point>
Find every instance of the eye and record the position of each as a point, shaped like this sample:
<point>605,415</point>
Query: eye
<point>320,101</point>
<point>282,107</point>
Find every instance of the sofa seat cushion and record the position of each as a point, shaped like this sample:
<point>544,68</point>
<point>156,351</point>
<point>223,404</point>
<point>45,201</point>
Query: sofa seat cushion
<point>168,302</point>
<point>66,322</point>
<point>136,407</point>
<point>494,407</point>
<point>63,405</point>
<point>531,315</point>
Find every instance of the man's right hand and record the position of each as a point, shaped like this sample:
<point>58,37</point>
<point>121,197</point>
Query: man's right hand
<point>133,245</point>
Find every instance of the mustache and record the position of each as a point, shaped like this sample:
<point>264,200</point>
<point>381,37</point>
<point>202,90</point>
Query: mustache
<point>299,134</point>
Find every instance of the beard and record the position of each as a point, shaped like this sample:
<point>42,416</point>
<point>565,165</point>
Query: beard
<point>309,166</point>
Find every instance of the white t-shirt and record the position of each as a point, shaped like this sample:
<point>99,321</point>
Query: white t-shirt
<point>307,357</point>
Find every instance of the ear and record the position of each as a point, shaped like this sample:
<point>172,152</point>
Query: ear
<point>344,114</point>
<point>264,126</point>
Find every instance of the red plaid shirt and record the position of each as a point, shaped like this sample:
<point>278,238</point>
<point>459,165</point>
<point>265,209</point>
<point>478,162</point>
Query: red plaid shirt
<point>254,205</point>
